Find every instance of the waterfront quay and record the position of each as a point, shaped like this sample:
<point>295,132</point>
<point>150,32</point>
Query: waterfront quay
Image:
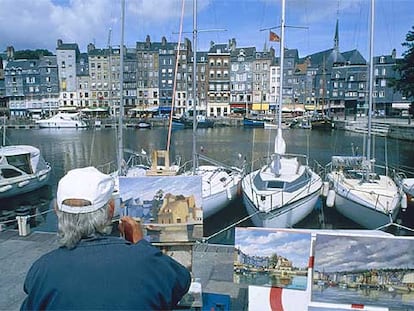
<point>398,128</point>
<point>17,253</point>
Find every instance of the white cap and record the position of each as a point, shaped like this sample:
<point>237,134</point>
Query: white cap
<point>87,184</point>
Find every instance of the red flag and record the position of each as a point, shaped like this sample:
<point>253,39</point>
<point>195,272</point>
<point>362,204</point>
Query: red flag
<point>273,37</point>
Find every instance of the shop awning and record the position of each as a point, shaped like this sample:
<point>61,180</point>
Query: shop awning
<point>401,105</point>
<point>68,108</point>
<point>94,110</point>
<point>164,109</point>
<point>147,109</point>
<point>263,106</point>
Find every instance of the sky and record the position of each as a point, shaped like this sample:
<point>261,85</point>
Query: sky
<point>333,253</point>
<point>144,188</point>
<point>38,24</point>
<point>350,253</point>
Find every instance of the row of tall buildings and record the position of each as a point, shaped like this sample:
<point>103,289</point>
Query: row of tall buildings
<point>230,79</point>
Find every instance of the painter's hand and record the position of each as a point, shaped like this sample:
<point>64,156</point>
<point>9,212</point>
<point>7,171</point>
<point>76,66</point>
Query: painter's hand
<point>130,229</point>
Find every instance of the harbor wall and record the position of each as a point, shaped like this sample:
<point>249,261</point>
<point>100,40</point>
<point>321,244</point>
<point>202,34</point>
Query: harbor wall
<point>402,129</point>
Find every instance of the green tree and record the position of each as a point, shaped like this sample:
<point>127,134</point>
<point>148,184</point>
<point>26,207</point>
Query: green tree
<point>157,203</point>
<point>31,54</point>
<point>405,68</point>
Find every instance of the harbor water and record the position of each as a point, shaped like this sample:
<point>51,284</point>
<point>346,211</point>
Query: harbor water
<point>66,149</point>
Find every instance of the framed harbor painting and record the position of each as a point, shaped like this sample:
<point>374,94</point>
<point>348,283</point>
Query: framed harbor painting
<point>168,207</point>
<point>365,270</point>
<point>271,257</point>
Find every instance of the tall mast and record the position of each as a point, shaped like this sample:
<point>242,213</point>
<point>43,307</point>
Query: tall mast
<point>282,57</point>
<point>371,76</point>
<point>280,145</point>
<point>121,92</point>
<point>194,85</point>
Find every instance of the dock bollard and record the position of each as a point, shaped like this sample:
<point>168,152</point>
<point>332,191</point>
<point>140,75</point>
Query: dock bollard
<point>22,217</point>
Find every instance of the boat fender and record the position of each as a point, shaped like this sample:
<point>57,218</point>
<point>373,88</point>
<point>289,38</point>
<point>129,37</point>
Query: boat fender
<point>404,202</point>
<point>325,189</point>
<point>23,183</point>
<point>228,190</point>
<point>330,200</point>
<point>5,188</point>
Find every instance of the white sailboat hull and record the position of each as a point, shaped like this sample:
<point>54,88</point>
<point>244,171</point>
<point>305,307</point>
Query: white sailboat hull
<point>219,188</point>
<point>214,203</point>
<point>284,217</point>
<point>284,206</point>
<point>369,204</point>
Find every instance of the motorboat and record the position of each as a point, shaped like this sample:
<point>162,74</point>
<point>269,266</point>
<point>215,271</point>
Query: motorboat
<point>253,122</point>
<point>143,125</point>
<point>22,169</point>
<point>63,120</point>
<point>187,122</point>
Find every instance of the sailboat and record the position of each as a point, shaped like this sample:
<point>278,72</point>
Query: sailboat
<point>322,120</point>
<point>220,182</point>
<point>356,190</point>
<point>285,190</point>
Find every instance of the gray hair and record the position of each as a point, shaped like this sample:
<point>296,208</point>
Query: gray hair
<point>73,227</point>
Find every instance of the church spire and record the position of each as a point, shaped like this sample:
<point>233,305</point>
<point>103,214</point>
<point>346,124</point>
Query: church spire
<point>336,39</point>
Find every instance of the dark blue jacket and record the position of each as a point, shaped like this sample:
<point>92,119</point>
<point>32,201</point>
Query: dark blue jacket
<point>105,273</point>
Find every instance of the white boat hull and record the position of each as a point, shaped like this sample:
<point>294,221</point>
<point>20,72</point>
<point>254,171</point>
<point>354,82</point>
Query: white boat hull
<point>281,201</point>
<point>283,217</point>
<point>25,184</point>
<point>28,173</point>
<point>214,203</point>
<point>361,214</point>
<point>371,204</point>
<point>62,125</point>
<point>219,188</point>
<point>62,120</point>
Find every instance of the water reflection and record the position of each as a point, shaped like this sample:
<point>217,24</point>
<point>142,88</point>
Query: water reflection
<point>66,149</point>
<point>366,296</point>
<point>36,204</point>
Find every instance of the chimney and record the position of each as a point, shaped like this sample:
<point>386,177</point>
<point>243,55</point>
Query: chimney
<point>147,41</point>
<point>164,41</point>
<point>233,44</point>
<point>90,47</point>
<point>10,52</point>
<point>394,54</point>
<point>59,42</point>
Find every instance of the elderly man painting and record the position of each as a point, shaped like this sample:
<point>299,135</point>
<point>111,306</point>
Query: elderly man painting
<point>92,270</point>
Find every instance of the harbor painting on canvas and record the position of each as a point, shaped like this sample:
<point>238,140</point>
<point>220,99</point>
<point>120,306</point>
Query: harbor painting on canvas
<point>369,270</point>
<point>271,257</point>
<point>168,207</point>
